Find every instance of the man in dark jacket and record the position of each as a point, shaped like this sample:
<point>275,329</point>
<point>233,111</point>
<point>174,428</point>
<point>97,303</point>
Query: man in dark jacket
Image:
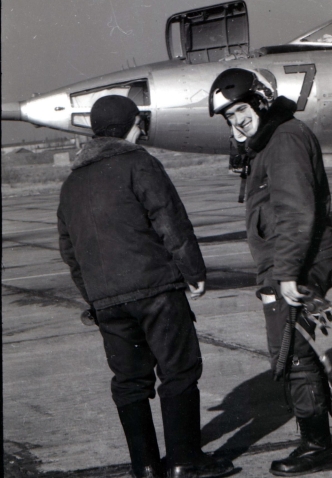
<point>290,238</point>
<point>132,251</point>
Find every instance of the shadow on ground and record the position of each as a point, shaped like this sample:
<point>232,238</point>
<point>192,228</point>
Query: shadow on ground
<point>255,408</point>
<point>227,278</point>
<point>252,410</point>
<point>229,236</point>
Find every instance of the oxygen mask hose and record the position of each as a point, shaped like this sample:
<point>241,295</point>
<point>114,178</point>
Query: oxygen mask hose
<point>285,349</point>
<point>286,343</point>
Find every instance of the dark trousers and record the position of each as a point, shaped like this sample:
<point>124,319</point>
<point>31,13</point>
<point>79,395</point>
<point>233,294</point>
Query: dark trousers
<point>307,380</point>
<point>140,335</point>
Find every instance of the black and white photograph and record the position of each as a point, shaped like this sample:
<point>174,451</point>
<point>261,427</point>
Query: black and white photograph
<point>166,238</point>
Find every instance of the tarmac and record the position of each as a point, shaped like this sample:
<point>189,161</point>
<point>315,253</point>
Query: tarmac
<point>59,418</point>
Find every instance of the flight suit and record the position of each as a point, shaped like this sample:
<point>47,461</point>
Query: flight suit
<point>290,237</point>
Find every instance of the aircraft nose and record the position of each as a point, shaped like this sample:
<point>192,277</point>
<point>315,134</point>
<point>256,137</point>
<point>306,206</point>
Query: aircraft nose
<point>11,112</point>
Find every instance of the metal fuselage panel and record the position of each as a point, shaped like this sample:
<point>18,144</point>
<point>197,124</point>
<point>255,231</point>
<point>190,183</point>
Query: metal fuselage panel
<point>179,93</point>
<point>182,119</point>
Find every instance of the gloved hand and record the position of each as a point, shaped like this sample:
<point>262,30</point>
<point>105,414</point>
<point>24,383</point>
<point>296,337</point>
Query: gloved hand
<point>290,293</point>
<point>197,290</point>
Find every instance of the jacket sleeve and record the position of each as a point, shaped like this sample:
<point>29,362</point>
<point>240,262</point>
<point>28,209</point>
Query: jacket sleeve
<point>292,187</point>
<point>156,192</point>
<point>68,256</point>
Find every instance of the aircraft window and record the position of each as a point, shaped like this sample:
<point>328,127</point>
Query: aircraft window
<point>81,119</point>
<point>87,99</point>
<point>324,35</point>
<point>138,91</point>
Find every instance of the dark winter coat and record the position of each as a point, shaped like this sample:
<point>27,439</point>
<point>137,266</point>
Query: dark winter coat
<point>288,198</point>
<point>123,229</point>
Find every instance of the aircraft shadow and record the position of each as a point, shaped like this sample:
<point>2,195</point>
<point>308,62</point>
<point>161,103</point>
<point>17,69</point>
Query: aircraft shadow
<point>255,408</point>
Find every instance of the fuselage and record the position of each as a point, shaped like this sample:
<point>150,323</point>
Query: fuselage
<point>174,97</point>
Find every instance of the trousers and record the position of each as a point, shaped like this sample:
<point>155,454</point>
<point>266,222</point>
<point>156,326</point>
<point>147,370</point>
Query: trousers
<point>153,332</point>
<point>307,380</point>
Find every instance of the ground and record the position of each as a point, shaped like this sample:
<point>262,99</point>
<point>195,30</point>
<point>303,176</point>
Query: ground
<point>59,419</point>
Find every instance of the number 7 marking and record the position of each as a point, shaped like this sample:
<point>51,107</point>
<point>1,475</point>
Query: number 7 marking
<point>310,72</point>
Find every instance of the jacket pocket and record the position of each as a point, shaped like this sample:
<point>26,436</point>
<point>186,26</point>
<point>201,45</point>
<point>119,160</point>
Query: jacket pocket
<point>265,222</point>
<point>260,240</point>
<point>253,225</point>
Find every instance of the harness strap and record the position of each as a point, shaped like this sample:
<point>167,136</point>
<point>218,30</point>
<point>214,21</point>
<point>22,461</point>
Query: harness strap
<point>244,174</point>
<point>242,190</point>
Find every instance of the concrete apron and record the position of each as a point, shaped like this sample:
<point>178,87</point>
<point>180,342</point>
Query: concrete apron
<point>59,418</point>
<point>58,412</point>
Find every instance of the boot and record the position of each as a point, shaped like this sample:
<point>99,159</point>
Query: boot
<point>137,423</point>
<point>184,457</point>
<point>314,453</point>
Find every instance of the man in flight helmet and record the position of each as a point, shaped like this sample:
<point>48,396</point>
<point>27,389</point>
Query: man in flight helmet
<point>290,238</point>
<point>131,249</point>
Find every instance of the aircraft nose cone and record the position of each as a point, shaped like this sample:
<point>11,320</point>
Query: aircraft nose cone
<point>11,112</point>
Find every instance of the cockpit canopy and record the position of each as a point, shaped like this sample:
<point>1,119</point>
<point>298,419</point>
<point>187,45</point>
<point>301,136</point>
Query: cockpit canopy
<point>209,34</point>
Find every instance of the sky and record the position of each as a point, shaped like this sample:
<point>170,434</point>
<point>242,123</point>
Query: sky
<point>48,44</point>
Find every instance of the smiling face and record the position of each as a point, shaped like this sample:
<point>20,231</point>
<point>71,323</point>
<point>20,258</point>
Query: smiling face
<point>243,118</point>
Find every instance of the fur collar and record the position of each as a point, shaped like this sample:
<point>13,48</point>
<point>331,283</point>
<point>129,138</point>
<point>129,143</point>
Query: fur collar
<point>281,110</point>
<point>100,148</point>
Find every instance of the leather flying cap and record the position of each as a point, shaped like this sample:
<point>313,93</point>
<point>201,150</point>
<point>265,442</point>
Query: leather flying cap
<point>113,115</point>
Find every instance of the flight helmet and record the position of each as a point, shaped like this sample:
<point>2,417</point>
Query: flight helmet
<point>113,115</point>
<point>238,84</point>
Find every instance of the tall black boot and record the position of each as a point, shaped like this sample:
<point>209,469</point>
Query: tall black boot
<point>314,453</point>
<point>185,459</point>
<point>137,423</point>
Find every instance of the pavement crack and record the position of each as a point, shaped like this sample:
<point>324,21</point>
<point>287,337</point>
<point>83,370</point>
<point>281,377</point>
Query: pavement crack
<point>44,298</point>
<point>28,221</point>
<point>38,246</point>
<point>208,339</point>
<point>48,337</point>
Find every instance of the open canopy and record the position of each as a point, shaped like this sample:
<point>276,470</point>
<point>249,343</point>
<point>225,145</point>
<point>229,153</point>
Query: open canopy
<point>209,34</point>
